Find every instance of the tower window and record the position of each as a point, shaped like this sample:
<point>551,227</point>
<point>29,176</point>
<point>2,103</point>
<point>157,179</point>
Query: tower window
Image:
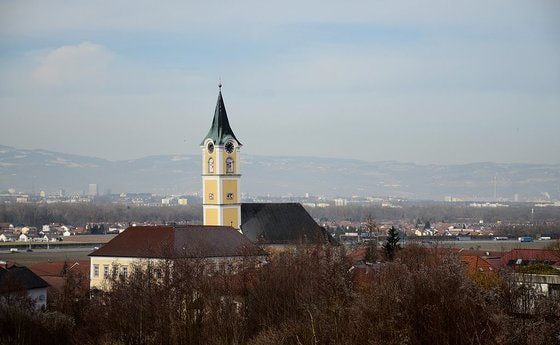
<point>229,165</point>
<point>211,165</point>
<point>211,196</point>
<point>229,196</point>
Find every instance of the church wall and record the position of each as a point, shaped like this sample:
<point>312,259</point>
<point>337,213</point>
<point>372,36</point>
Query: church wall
<point>112,263</point>
<point>211,216</point>
<point>210,186</point>
<point>231,217</point>
<point>213,263</point>
<point>230,186</point>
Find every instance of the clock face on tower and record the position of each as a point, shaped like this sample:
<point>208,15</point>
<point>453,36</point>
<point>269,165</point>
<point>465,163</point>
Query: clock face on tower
<point>229,147</point>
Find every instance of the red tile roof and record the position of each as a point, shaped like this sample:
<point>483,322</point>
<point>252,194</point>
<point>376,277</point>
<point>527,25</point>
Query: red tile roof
<point>54,269</point>
<point>52,272</point>
<point>178,241</point>
<point>476,263</point>
<point>537,255</point>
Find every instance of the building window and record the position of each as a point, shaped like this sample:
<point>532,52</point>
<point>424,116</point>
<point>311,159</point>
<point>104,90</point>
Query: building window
<point>124,271</point>
<point>210,165</point>
<point>229,196</point>
<point>229,165</point>
<point>115,270</point>
<point>105,271</point>
<point>96,270</point>
<point>211,196</point>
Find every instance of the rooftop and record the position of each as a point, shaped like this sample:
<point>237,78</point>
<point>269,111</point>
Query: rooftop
<point>190,241</point>
<point>280,223</point>
<point>220,131</point>
<point>16,278</point>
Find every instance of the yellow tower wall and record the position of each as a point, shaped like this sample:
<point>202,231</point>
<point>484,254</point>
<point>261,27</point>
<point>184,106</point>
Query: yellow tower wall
<point>210,186</point>
<point>211,216</point>
<point>231,217</point>
<point>230,186</point>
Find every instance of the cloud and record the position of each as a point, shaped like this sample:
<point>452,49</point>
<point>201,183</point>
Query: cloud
<point>231,17</point>
<point>83,64</point>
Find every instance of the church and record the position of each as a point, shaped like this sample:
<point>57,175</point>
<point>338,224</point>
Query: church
<point>262,223</point>
<point>230,228</point>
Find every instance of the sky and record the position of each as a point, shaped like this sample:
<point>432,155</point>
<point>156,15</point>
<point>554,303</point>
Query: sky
<point>429,82</point>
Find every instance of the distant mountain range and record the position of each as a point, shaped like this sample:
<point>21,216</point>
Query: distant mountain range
<point>25,170</point>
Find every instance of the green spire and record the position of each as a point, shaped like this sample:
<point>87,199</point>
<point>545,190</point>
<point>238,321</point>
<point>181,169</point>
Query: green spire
<point>220,131</point>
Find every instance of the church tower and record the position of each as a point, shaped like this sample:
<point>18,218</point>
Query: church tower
<point>220,171</point>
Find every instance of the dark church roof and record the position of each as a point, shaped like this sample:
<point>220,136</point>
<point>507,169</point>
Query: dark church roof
<point>280,223</point>
<point>178,241</point>
<point>220,131</point>
<point>19,278</point>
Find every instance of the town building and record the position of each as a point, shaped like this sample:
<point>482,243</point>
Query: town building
<point>140,245</point>
<point>16,279</point>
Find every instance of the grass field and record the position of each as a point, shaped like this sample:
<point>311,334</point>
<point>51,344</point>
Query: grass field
<point>26,258</point>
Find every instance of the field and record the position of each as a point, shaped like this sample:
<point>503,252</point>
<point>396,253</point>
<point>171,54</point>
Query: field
<point>24,258</point>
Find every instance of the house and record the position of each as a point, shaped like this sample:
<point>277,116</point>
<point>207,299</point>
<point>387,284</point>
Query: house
<point>214,245</point>
<point>523,257</point>
<point>14,279</point>
<point>54,273</point>
<point>545,284</point>
<point>49,238</point>
<point>8,237</point>
<point>23,238</point>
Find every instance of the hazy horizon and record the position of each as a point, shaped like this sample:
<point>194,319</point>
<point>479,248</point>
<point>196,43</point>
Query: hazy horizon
<point>425,82</point>
<point>277,175</point>
<point>243,153</point>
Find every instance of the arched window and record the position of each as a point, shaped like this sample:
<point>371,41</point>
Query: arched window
<point>210,165</point>
<point>229,165</point>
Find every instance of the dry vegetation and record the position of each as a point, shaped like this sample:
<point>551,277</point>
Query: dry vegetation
<point>309,297</point>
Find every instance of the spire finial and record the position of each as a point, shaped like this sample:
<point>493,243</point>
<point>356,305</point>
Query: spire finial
<point>220,83</point>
